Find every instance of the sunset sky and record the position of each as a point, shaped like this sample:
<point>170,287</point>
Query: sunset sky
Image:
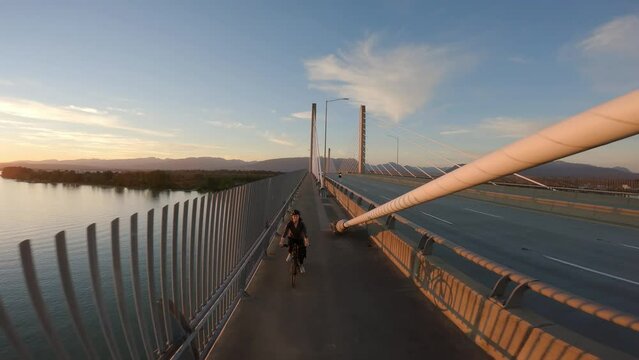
<point>236,79</point>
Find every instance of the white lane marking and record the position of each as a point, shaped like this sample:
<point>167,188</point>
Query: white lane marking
<point>435,217</point>
<point>630,246</point>
<point>591,270</point>
<point>483,213</point>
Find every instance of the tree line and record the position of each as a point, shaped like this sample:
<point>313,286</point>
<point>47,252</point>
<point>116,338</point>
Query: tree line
<point>200,180</point>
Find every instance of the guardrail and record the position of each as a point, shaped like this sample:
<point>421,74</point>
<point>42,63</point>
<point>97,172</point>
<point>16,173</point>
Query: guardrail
<point>494,318</point>
<point>423,179</point>
<point>611,209</point>
<point>204,265</point>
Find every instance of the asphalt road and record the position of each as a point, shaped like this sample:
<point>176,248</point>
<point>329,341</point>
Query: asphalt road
<point>592,259</point>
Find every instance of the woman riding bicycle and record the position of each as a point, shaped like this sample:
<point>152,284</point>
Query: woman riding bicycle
<point>296,233</point>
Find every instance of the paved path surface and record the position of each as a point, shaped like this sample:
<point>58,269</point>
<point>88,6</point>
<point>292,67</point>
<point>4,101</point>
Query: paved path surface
<point>351,304</point>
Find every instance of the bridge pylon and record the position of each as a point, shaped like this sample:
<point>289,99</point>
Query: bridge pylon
<point>362,140</point>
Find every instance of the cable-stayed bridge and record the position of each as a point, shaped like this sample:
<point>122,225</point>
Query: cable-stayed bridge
<point>441,265</point>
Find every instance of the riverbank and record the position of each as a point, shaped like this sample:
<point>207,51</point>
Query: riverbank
<point>198,180</point>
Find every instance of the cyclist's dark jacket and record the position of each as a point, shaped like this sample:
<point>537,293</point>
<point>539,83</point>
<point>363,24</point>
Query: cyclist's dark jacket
<point>296,232</point>
<point>296,235</point>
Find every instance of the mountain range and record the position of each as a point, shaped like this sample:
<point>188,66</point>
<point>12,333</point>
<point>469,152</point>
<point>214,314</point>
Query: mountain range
<point>553,169</point>
<point>152,163</point>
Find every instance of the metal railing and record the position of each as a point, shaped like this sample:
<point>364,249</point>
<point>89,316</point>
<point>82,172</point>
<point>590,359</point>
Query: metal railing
<point>202,264</point>
<point>425,178</point>
<point>510,286</point>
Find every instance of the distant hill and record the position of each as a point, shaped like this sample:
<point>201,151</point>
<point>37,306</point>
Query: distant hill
<point>566,169</point>
<point>199,163</point>
<point>282,164</point>
<point>553,169</point>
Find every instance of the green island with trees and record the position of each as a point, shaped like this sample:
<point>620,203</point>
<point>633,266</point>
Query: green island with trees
<point>199,180</point>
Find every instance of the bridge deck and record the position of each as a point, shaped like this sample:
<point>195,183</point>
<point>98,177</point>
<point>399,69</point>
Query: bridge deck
<point>351,304</point>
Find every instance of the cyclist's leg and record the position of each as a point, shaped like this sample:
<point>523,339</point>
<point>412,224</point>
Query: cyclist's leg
<point>302,253</point>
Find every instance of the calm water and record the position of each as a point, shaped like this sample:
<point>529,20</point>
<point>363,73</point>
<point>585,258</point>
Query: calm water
<point>38,212</point>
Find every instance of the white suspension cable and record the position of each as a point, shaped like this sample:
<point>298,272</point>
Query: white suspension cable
<point>391,165</point>
<point>427,174</point>
<point>603,124</point>
<point>407,170</point>
<point>467,154</point>
<point>389,173</point>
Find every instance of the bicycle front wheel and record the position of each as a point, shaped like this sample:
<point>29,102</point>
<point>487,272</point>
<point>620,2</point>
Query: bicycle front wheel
<point>294,271</point>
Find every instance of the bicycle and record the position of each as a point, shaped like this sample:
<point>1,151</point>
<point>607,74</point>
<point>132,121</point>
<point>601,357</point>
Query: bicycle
<point>295,262</point>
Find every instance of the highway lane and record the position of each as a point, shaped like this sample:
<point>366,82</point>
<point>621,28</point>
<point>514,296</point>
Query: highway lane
<point>595,260</point>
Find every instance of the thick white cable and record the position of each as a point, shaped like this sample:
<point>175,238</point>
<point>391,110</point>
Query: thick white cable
<point>427,174</point>
<point>407,170</point>
<point>603,124</point>
<point>389,173</point>
<point>531,180</point>
<point>467,154</point>
<point>370,169</point>
<point>440,170</point>
<point>391,165</point>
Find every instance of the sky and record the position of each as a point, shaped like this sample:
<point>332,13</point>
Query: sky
<point>236,79</point>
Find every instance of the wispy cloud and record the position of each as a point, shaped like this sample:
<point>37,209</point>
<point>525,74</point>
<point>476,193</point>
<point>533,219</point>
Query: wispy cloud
<point>393,82</point>
<point>609,55</point>
<point>510,127</point>
<point>126,111</point>
<point>454,132</point>
<point>13,123</point>
<point>29,109</point>
<point>518,60</point>
<point>81,143</point>
<point>280,139</point>
<point>302,115</point>
<point>621,35</point>
<point>86,110</point>
<point>230,124</point>
<point>4,82</point>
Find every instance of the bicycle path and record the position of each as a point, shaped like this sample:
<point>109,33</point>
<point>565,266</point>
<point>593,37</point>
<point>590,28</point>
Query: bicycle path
<point>351,303</point>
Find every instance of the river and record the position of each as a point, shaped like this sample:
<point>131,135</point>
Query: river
<point>37,212</point>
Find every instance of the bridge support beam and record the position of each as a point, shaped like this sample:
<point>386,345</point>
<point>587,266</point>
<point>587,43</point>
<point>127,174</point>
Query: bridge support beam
<point>362,140</point>
<point>310,157</point>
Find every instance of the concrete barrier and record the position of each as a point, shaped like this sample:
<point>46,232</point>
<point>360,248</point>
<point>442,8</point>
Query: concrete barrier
<point>541,345</point>
<point>604,208</point>
<point>608,214</point>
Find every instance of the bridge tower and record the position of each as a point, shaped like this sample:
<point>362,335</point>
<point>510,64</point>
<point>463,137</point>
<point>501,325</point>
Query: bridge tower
<point>310,157</point>
<point>362,140</point>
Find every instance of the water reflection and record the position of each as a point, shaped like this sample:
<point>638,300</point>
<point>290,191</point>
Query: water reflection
<point>38,211</point>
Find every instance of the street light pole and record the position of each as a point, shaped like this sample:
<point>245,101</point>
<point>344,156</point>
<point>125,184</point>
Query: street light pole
<point>325,121</point>
<point>396,138</point>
